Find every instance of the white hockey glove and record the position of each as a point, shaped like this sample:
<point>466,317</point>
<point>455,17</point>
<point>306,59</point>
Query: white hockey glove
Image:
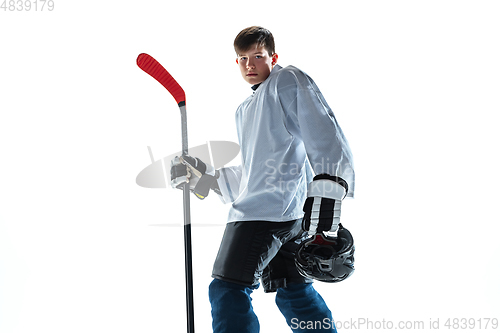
<point>200,176</point>
<point>322,207</point>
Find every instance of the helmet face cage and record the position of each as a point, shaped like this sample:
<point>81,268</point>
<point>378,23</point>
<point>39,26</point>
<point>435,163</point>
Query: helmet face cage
<point>327,259</point>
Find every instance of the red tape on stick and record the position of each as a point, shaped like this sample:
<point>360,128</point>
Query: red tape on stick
<point>149,64</point>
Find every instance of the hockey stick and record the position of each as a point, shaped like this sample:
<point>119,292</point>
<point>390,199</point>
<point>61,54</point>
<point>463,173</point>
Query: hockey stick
<point>148,64</point>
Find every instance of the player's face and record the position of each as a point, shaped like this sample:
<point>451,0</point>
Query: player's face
<point>256,64</point>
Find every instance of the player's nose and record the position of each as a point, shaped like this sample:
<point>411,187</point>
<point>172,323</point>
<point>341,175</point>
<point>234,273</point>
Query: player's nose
<point>250,64</point>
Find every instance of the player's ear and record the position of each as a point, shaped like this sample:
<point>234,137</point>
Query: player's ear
<point>274,59</point>
<point>237,61</point>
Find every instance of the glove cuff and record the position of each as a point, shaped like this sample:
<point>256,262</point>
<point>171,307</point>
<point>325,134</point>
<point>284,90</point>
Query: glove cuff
<point>336,179</point>
<point>204,185</point>
<point>326,188</point>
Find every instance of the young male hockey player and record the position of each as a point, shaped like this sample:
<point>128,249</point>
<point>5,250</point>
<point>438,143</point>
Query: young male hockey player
<point>287,133</point>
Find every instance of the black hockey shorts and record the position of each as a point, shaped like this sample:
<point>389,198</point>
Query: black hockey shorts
<point>253,250</point>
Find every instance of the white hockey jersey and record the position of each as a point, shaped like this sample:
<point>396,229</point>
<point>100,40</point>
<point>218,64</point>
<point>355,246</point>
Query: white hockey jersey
<point>287,133</point>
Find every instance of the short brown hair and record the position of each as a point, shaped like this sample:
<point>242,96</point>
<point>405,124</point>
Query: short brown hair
<point>254,35</point>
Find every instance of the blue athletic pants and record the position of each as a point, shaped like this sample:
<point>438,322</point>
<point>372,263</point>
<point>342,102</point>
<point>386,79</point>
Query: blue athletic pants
<point>302,306</point>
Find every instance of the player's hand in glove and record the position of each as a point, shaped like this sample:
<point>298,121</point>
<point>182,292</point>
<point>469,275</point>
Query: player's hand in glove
<point>200,176</point>
<point>322,207</point>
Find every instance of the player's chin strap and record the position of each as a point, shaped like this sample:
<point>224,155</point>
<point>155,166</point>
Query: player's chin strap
<point>327,187</point>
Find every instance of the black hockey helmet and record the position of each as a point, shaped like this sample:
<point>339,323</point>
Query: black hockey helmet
<point>327,259</point>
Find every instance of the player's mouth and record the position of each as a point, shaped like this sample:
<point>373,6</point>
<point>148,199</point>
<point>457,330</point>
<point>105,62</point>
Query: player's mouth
<point>252,74</point>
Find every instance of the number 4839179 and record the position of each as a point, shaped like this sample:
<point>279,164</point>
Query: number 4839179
<point>27,5</point>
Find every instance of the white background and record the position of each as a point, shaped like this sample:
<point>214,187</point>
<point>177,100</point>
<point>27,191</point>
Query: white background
<point>414,85</point>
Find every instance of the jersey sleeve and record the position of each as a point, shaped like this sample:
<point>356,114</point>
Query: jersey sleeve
<point>229,183</point>
<point>308,117</point>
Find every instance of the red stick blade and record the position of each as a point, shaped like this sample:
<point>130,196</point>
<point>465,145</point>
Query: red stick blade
<point>148,64</point>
